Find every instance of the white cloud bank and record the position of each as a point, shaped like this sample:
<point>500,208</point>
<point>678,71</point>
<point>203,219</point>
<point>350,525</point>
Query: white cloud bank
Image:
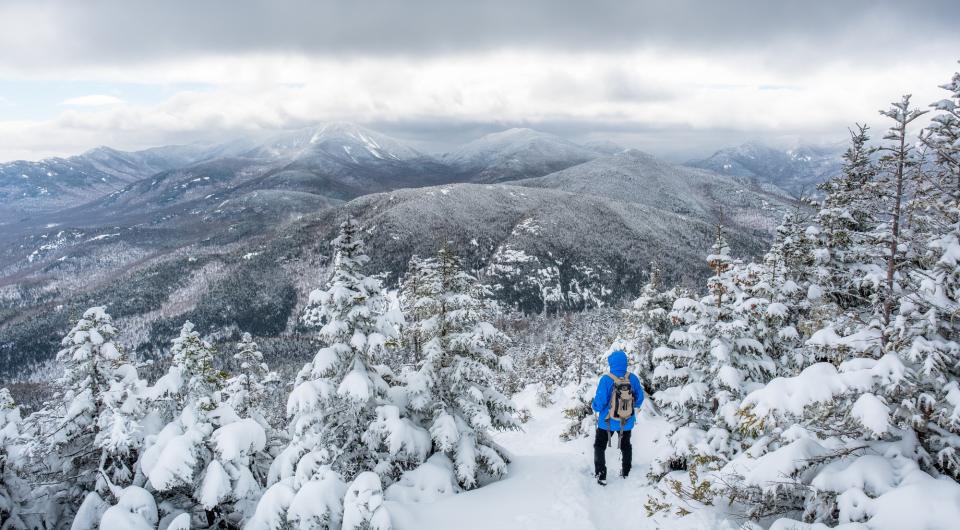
<point>629,91</point>
<point>655,75</point>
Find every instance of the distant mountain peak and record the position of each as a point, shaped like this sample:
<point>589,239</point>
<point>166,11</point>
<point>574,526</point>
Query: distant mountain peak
<point>797,170</point>
<point>340,128</point>
<point>520,132</point>
<point>516,154</point>
<point>511,140</point>
<point>102,150</point>
<point>345,140</point>
<point>604,146</point>
<point>636,153</point>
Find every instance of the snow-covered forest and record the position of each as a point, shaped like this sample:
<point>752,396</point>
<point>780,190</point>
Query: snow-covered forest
<point>818,386</point>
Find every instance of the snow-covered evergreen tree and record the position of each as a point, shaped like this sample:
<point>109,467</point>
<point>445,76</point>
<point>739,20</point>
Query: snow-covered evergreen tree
<point>16,512</point>
<point>681,376</point>
<point>899,160</point>
<point>419,304</point>
<point>712,361</point>
<point>783,281</point>
<point>455,391</point>
<point>342,421</point>
<point>722,323</point>
<point>248,390</point>
<point>926,332</point>
<point>248,393</point>
<point>649,325</point>
<point>831,416</point>
<point>89,436</point>
<point>926,335</point>
<point>193,360</point>
<point>202,462</point>
<point>682,379</point>
<point>738,360</point>
<point>942,135</point>
<point>578,350</point>
<point>845,253</point>
<point>846,217</point>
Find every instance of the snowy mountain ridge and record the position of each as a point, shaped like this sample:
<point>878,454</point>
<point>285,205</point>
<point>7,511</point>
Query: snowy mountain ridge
<point>54,183</point>
<point>638,177</point>
<point>516,153</point>
<point>353,140</point>
<point>798,169</point>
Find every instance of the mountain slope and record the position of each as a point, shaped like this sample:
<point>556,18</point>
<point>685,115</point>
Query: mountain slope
<point>636,177</point>
<point>540,248</point>
<point>515,154</point>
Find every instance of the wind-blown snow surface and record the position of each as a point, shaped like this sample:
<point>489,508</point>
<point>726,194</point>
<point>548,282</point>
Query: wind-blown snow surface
<point>550,485</point>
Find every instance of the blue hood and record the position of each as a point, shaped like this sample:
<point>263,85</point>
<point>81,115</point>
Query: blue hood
<point>618,363</point>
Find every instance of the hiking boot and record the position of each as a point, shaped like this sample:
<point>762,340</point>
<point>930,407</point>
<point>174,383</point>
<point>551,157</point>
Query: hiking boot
<point>625,473</point>
<point>602,480</point>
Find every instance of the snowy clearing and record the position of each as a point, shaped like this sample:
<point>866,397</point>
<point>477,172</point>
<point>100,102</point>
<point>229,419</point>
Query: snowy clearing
<point>551,484</point>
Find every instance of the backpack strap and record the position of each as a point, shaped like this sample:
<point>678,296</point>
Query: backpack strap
<point>615,378</point>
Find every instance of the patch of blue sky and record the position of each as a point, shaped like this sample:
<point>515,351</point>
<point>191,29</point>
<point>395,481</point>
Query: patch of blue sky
<point>42,99</point>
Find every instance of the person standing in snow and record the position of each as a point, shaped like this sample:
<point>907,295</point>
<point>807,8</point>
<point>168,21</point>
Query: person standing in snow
<point>618,395</point>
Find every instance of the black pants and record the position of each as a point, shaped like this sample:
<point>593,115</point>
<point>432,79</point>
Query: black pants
<point>600,447</point>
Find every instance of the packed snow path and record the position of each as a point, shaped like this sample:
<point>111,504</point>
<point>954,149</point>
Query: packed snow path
<point>551,486</point>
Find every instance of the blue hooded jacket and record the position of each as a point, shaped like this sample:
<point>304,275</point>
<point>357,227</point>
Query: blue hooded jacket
<point>601,401</point>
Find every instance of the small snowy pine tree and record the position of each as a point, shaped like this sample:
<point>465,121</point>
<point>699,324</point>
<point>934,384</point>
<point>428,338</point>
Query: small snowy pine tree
<point>248,391</point>
<point>16,512</point>
<point>926,331</point>
<point>455,391</point>
<point>418,305</point>
<point>89,436</point>
<point>342,422</point>
<point>649,325</point>
<point>202,462</point>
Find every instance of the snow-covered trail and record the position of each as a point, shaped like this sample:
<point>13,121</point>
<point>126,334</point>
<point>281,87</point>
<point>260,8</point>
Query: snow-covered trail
<point>550,484</point>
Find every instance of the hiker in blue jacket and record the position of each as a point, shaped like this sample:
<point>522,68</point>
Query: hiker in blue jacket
<point>618,394</point>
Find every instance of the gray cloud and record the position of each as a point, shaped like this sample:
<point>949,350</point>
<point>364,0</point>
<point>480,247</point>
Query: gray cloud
<point>678,78</point>
<point>47,34</point>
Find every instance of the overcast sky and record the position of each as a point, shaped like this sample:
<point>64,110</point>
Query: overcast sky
<point>676,78</point>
